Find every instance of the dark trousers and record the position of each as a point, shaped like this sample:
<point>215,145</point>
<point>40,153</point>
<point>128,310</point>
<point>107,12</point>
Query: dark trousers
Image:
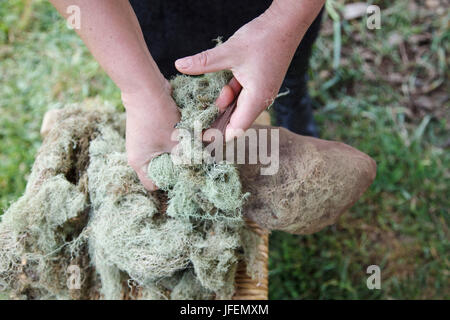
<point>177,28</point>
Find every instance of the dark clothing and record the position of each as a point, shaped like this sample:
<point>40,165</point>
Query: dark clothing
<point>294,111</point>
<point>177,28</point>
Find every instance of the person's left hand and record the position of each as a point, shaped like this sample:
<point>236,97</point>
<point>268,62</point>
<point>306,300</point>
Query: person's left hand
<point>258,55</point>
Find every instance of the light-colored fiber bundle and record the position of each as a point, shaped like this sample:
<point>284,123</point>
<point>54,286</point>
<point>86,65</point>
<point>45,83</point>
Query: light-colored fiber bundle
<point>84,206</point>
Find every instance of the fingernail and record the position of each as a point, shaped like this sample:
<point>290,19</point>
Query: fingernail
<point>183,63</point>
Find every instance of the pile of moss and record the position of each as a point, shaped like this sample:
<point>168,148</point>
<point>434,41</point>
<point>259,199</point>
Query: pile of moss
<point>85,206</point>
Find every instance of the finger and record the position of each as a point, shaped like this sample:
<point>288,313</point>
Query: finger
<point>228,94</point>
<point>211,60</point>
<point>148,184</point>
<point>225,98</point>
<point>235,85</point>
<point>249,106</point>
<point>142,172</point>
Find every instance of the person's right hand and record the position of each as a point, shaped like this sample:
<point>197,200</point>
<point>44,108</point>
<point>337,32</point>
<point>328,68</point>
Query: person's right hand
<point>151,118</point>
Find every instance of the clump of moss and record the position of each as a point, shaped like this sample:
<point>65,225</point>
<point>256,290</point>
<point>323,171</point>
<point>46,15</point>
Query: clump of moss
<point>44,232</point>
<point>85,206</point>
<point>195,97</point>
<point>204,189</point>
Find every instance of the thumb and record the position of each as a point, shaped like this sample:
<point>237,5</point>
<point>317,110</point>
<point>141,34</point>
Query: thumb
<point>211,60</point>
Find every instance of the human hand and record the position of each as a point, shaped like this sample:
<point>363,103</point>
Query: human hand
<point>151,118</point>
<point>258,54</point>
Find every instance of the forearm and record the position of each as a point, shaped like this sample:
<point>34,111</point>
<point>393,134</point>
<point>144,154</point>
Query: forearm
<point>111,32</point>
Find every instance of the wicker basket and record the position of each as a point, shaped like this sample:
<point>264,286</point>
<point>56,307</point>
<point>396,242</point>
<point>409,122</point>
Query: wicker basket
<point>246,287</point>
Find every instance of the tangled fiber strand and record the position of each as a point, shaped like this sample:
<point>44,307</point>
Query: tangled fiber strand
<point>126,233</point>
<point>84,206</point>
<point>204,190</point>
<point>43,232</point>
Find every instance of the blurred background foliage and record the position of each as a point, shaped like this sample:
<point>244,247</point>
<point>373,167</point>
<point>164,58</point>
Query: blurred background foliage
<point>383,91</point>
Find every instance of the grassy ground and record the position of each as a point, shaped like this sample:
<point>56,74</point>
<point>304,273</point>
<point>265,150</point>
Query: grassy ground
<point>388,96</point>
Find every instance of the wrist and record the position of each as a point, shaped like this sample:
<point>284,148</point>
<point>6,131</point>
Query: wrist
<point>142,75</point>
<point>146,96</point>
<point>293,17</point>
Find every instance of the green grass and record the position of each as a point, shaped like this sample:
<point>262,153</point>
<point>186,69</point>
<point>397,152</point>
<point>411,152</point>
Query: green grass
<point>42,67</point>
<point>400,224</point>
